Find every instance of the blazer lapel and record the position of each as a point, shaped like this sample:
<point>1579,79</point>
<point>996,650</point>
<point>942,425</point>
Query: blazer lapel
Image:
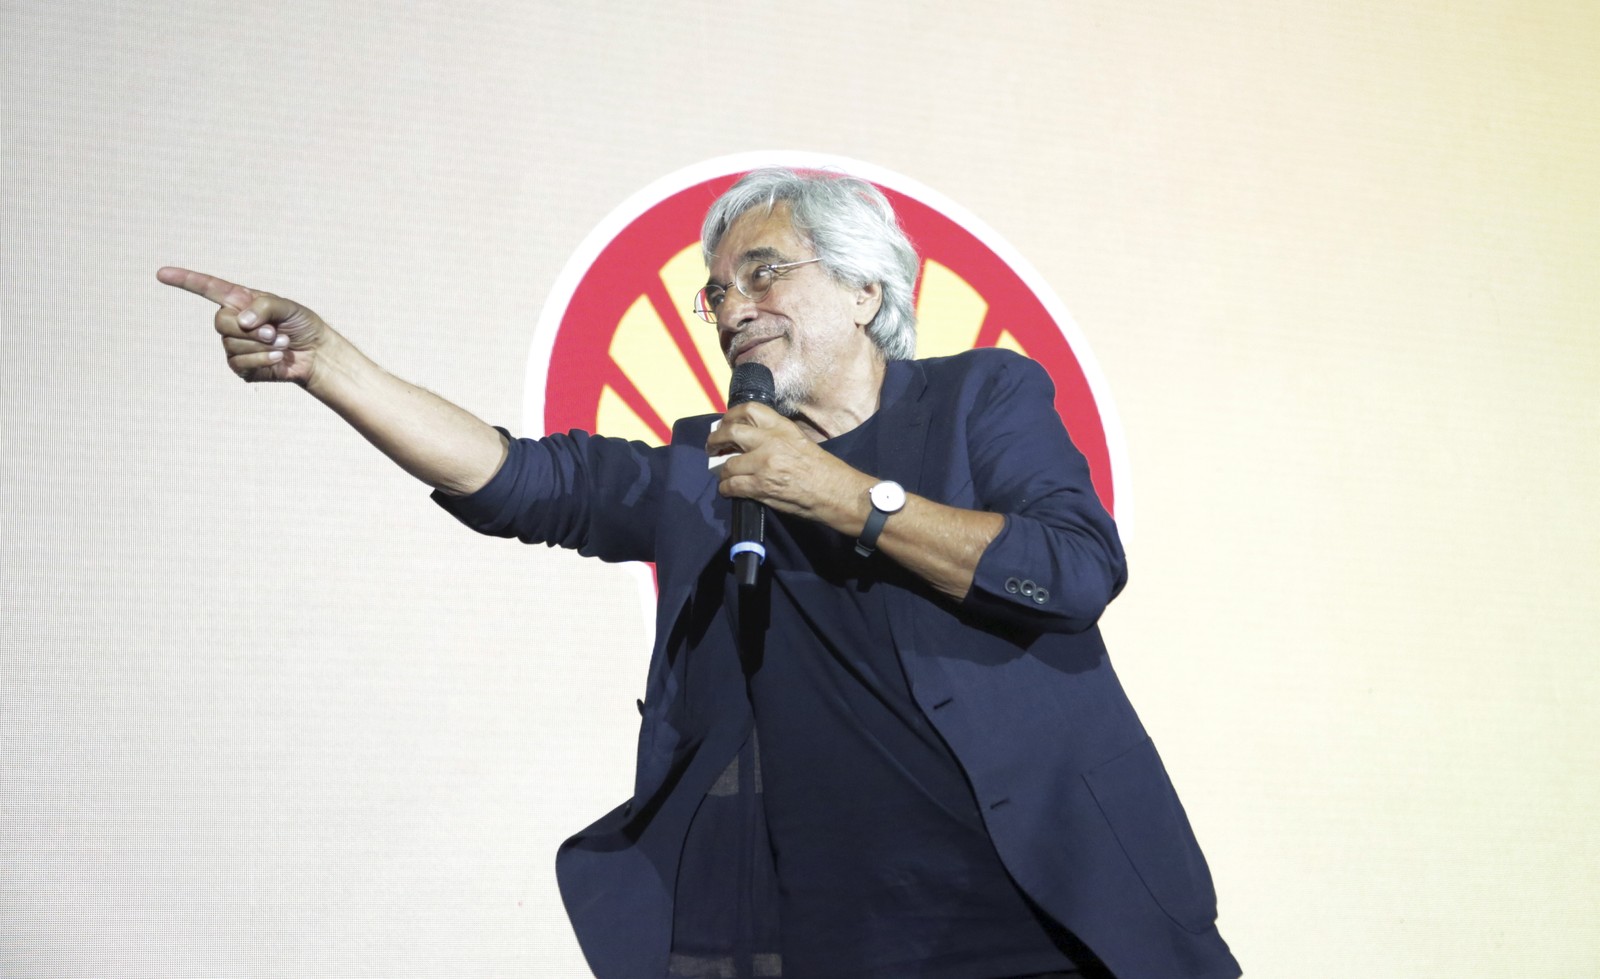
<point>903,424</point>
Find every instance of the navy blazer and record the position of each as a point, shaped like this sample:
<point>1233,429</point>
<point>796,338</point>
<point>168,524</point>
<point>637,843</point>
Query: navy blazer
<point>1015,677</point>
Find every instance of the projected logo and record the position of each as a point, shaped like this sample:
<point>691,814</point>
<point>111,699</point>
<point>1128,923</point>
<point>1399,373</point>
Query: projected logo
<point>619,350</point>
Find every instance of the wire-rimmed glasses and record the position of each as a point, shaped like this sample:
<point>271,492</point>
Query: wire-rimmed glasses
<point>753,279</point>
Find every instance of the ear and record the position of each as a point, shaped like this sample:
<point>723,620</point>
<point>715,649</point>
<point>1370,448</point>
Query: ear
<point>869,299</point>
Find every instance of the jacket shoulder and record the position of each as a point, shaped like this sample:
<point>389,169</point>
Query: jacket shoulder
<point>980,368</point>
<point>979,360</point>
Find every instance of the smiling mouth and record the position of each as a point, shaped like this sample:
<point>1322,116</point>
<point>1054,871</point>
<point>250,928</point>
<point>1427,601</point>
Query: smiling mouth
<point>738,353</point>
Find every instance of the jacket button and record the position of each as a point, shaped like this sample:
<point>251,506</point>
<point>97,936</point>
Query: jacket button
<point>1013,585</point>
<point>1028,588</point>
<point>1041,594</point>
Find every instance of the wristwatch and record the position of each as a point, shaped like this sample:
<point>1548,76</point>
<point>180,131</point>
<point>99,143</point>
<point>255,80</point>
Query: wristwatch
<point>887,497</point>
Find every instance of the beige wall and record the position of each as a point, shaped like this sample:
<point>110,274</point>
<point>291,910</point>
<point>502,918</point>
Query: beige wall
<point>263,711</point>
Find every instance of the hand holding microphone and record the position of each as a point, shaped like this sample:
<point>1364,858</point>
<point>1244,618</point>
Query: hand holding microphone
<point>778,466</point>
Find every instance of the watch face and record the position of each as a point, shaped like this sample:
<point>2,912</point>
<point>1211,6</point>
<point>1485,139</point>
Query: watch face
<point>888,497</point>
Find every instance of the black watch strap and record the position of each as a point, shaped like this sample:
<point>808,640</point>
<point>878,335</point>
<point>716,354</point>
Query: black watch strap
<point>867,543</point>
<point>886,497</point>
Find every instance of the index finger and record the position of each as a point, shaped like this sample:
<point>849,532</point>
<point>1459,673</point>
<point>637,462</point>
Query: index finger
<point>743,436</point>
<point>220,291</point>
<point>753,413</point>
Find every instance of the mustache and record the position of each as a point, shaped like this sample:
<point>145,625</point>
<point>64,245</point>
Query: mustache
<point>747,339</point>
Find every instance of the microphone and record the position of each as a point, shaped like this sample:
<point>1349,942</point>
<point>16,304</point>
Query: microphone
<point>751,382</point>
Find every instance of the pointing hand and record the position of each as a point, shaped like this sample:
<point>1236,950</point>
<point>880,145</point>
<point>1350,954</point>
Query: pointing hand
<point>265,337</point>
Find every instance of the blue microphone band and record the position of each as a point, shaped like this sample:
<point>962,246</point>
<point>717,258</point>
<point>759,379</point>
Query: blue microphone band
<point>748,547</point>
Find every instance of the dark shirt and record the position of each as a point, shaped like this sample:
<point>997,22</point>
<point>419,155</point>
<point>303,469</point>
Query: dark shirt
<point>884,866</point>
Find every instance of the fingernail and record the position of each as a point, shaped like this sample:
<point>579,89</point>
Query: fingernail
<point>281,342</point>
<point>265,334</point>
<point>275,356</point>
<point>248,318</point>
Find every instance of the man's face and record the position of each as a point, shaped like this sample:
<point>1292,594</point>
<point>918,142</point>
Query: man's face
<point>806,328</point>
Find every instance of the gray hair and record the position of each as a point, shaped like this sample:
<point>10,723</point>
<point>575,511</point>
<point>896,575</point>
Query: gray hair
<point>852,228</point>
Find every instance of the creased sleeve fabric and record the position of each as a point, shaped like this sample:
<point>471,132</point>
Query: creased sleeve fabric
<point>598,496</point>
<point>1058,561</point>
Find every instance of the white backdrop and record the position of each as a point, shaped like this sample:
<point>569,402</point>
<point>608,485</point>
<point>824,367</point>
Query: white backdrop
<point>265,711</point>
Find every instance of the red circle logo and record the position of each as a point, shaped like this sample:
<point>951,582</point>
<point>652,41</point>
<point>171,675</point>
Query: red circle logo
<point>619,350</point>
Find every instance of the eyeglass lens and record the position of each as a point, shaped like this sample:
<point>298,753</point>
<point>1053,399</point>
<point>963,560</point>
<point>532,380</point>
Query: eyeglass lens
<point>753,279</point>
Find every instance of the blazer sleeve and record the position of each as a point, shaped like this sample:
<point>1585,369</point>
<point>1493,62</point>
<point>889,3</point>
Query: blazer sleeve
<point>1058,561</point>
<point>598,496</point>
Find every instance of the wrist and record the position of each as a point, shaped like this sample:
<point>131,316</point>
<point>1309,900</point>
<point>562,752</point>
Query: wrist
<point>856,504</point>
<point>334,363</point>
<point>885,499</point>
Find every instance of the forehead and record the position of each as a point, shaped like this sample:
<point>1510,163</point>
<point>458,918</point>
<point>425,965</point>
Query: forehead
<point>760,234</point>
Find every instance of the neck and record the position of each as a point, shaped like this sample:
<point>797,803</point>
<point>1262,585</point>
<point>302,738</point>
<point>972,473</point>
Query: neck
<point>851,398</point>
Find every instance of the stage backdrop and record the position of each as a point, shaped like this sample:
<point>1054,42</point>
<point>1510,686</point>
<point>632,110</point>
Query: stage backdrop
<point>265,711</point>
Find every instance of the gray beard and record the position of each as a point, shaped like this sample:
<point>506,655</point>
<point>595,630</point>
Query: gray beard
<point>790,394</point>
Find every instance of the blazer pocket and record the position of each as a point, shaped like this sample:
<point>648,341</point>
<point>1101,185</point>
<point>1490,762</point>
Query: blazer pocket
<point>1138,800</point>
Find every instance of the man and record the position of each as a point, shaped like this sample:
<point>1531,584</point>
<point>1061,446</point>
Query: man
<point>904,753</point>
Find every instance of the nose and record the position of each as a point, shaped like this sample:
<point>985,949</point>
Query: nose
<point>736,312</point>
<point>736,304</point>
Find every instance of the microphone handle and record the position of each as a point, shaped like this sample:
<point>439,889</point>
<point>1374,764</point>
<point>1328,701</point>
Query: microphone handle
<point>749,533</point>
<point>750,382</point>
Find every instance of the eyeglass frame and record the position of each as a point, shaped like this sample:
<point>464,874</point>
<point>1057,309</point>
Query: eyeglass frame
<point>706,311</point>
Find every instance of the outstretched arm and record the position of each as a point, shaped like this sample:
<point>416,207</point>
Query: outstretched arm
<point>269,338</point>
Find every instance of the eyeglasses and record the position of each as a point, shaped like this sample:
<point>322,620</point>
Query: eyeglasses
<point>753,279</point>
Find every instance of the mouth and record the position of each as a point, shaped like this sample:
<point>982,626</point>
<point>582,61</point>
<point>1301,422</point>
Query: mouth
<point>740,351</point>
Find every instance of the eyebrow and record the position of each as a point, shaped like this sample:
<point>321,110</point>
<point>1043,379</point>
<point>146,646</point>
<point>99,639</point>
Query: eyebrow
<point>766,253</point>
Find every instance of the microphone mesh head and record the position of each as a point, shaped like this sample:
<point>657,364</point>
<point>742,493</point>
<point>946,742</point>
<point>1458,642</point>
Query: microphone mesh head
<point>751,382</point>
